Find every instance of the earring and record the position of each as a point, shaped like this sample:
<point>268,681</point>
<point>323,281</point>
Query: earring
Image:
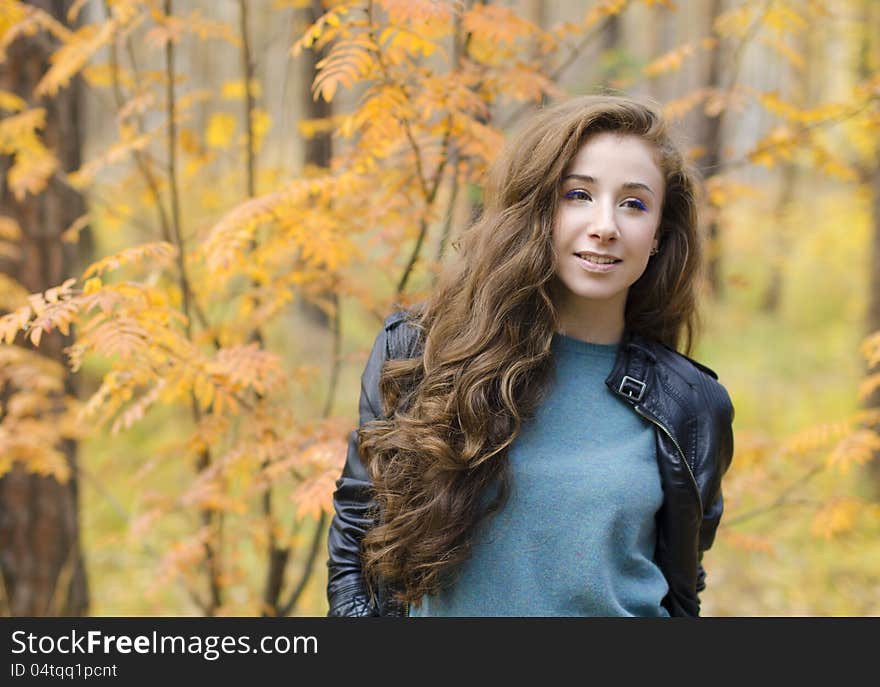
<point>655,250</point>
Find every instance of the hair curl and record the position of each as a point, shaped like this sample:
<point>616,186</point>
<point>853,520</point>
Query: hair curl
<point>485,332</point>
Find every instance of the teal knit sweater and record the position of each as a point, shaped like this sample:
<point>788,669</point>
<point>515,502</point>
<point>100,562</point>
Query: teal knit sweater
<point>577,536</point>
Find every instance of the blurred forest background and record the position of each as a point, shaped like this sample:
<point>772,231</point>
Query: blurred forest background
<point>209,207</point>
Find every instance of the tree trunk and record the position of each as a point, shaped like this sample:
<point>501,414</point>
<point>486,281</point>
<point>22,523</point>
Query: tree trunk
<point>873,315</point>
<point>317,150</point>
<point>778,244</point>
<point>798,84</point>
<point>710,160</point>
<point>871,44</point>
<point>41,560</point>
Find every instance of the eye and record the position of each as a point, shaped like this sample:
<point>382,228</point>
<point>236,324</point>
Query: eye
<point>578,194</point>
<point>635,203</point>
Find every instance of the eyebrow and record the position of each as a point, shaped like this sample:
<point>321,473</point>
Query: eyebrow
<point>629,185</point>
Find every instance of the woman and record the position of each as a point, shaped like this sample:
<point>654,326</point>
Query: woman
<point>530,441</point>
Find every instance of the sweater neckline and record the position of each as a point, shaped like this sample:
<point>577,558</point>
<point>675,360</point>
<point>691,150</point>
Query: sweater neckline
<point>567,343</point>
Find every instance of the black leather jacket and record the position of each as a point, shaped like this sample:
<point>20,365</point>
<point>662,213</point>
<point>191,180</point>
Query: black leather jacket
<point>692,415</point>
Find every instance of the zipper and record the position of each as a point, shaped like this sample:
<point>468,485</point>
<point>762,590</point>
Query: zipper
<point>690,472</point>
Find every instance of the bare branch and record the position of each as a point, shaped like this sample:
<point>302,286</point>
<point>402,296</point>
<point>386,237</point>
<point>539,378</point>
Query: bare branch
<point>784,498</point>
<point>309,565</point>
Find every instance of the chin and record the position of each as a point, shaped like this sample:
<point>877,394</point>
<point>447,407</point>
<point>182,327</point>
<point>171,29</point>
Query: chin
<point>593,290</point>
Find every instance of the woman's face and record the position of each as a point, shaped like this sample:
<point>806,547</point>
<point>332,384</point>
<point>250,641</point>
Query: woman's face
<point>610,202</point>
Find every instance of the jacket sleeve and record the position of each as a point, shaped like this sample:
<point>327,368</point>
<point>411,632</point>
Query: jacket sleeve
<point>346,590</point>
<point>714,506</point>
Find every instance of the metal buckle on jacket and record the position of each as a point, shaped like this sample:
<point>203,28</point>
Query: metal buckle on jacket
<point>633,388</point>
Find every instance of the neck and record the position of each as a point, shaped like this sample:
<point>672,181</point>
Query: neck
<point>600,322</point>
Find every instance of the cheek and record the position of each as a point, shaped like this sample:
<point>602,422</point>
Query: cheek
<point>556,237</point>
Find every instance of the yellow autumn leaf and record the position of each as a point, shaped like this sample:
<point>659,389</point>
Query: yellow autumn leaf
<point>601,10</point>
<point>114,154</point>
<point>735,21</point>
<point>203,391</point>
<point>836,168</point>
<point>30,173</point>
<point>92,285</point>
<point>11,13</point>
<point>221,126</point>
<point>71,57</point>
<point>870,349</point>
<point>314,496</point>
<point>24,124</point>
<point>14,322</point>
<point>407,43</point>
<point>785,51</point>
<point>12,294</point>
<point>346,63</point>
<point>678,108</point>
<point>716,191</point>
<point>671,61</point>
<point>160,252</point>
<point>783,19</point>
<point>9,229</point>
<point>100,75</point>
<point>764,158</point>
<point>71,234</point>
<point>189,142</point>
<point>857,448</point>
<point>234,90</point>
<point>41,460</point>
<point>11,102</point>
<point>295,4</point>
<point>816,437</point>
<point>194,167</point>
<point>261,122</point>
<point>35,335</point>
<point>309,128</point>
<point>836,517</point>
<point>749,542</point>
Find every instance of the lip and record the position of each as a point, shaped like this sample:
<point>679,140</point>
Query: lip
<point>597,255</point>
<point>595,267</point>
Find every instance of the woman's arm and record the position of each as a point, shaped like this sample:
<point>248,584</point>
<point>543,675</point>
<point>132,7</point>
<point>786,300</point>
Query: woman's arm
<point>347,593</point>
<point>714,507</point>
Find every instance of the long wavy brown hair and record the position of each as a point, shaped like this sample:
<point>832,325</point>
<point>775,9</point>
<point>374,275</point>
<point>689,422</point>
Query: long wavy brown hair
<point>438,462</point>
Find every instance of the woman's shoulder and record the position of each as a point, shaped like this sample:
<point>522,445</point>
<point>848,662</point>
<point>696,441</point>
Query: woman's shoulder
<point>688,363</point>
<point>699,378</point>
<point>395,319</point>
<point>402,331</point>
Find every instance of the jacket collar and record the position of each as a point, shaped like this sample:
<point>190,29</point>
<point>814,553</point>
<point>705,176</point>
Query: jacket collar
<point>633,376</point>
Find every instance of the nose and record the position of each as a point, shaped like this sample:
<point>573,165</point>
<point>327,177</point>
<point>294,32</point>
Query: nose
<point>604,226</point>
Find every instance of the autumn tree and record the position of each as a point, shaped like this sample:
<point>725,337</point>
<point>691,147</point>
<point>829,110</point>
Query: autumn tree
<point>42,563</point>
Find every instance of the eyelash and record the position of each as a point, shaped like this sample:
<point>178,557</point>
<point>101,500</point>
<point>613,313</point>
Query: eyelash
<point>640,205</point>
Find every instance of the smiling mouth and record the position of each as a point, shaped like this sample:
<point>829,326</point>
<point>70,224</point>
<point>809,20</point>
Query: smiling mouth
<point>597,260</point>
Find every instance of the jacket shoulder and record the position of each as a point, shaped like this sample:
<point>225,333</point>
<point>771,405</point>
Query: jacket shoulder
<point>683,365</point>
<point>705,369</point>
<point>402,334</point>
<point>395,319</point>
<point>698,377</point>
